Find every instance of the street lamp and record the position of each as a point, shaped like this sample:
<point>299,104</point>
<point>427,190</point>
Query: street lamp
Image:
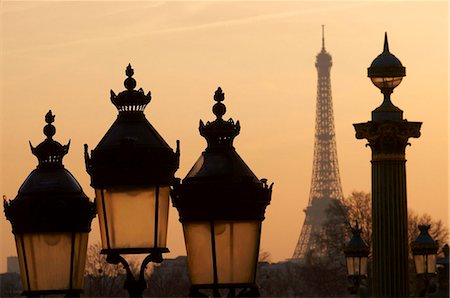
<point>221,205</point>
<point>424,250</point>
<point>132,169</point>
<point>357,255</point>
<point>51,219</point>
<point>388,135</point>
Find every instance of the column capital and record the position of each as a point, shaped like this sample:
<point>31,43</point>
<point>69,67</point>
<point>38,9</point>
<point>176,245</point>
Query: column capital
<point>389,138</point>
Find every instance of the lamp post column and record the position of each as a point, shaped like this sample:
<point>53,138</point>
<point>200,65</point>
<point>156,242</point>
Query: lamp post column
<point>387,135</point>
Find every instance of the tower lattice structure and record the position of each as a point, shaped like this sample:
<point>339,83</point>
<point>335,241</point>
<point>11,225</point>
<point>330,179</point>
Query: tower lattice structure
<point>325,182</point>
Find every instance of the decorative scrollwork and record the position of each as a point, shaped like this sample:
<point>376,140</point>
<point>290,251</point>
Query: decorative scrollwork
<point>388,138</point>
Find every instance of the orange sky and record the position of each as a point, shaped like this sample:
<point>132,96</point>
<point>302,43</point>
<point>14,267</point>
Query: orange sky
<point>66,56</point>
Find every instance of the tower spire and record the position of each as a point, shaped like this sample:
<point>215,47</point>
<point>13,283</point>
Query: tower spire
<point>323,37</point>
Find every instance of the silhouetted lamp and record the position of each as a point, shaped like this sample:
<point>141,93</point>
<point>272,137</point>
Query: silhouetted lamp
<point>356,254</point>
<point>386,72</point>
<point>221,205</point>
<point>132,169</point>
<point>51,219</point>
<point>424,250</point>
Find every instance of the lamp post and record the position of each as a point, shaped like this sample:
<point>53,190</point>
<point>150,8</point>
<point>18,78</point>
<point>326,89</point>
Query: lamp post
<point>221,205</point>
<point>132,169</point>
<point>388,135</point>
<point>424,250</point>
<point>356,254</point>
<point>443,271</point>
<point>51,219</point>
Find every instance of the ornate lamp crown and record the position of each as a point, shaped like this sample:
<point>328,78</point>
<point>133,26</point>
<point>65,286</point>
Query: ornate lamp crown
<point>130,100</point>
<point>50,152</point>
<point>219,133</point>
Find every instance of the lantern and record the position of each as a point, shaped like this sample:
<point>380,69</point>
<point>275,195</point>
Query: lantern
<point>221,205</point>
<point>424,250</point>
<point>51,219</point>
<point>131,170</point>
<point>356,254</point>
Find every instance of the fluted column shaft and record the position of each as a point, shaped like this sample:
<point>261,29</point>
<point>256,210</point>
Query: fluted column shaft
<point>388,140</point>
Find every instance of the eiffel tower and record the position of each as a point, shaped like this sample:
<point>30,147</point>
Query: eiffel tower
<point>325,181</point>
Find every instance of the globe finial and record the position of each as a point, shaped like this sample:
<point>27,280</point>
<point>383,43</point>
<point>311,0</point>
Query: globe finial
<point>219,108</point>
<point>129,83</point>
<point>49,129</point>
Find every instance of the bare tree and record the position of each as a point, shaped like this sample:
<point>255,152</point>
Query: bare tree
<point>102,279</point>
<point>342,214</point>
<point>358,208</point>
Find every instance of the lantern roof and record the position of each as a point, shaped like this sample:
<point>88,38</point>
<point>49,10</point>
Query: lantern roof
<point>50,199</point>
<point>424,244</point>
<point>131,152</point>
<point>356,247</point>
<point>220,185</point>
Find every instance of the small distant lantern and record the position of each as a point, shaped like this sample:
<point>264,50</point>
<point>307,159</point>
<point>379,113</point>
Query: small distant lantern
<point>424,250</point>
<point>221,205</point>
<point>132,169</point>
<point>51,219</point>
<point>357,254</point>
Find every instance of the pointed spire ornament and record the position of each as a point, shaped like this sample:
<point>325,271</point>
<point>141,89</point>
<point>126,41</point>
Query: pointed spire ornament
<point>386,44</point>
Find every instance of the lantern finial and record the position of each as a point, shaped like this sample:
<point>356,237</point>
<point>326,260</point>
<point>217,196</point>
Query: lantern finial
<point>50,152</point>
<point>219,133</point>
<point>130,100</point>
<point>129,82</point>
<point>386,44</point>
<point>219,108</point>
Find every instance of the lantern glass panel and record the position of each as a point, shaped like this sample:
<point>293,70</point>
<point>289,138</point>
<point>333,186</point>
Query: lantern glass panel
<point>363,267</point>
<point>420,263</point>
<point>351,269</point>
<point>199,252</point>
<point>236,251</point>
<point>386,82</point>
<point>431,263</point>
<point>130,215</point>
<point>52,261</point>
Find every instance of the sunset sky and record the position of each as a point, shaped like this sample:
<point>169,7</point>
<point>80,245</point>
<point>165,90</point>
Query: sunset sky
<point>66,56</point>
